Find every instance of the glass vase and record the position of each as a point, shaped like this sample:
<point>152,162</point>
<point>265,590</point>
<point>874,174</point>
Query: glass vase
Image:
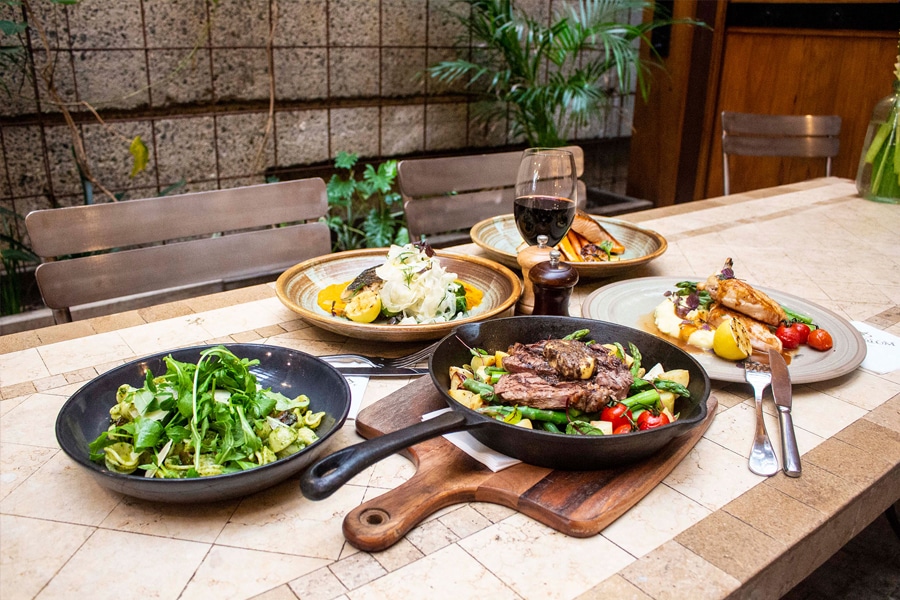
<point>878,177</point>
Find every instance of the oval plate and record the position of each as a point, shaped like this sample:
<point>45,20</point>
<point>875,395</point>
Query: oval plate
<point>632,303</point>
<point>500,239</point>
<point>298,289</point>
<point>86,414</point>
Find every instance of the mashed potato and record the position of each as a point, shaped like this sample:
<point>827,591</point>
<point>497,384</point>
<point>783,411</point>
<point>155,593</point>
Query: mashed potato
<point>691,330</point>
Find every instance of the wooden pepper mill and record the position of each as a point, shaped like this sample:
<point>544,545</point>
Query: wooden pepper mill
<point>552,282</point>
<point>527,258</point>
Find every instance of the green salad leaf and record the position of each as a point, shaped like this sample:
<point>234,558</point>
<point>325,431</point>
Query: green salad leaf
<point>203,419</point>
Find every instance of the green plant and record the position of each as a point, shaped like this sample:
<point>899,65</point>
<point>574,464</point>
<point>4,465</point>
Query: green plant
<point>364,212</point>
<point>878,177</point>
<point>551,78</point>
<point>16,258</point>
<point>12,48</point>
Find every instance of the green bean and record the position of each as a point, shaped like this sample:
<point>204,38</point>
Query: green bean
<point>646,399</point>
<point>639,384</point>
<point>532,414</point>
<point>636,356</point>
<point>485,390</point>
<point>795,317</point>
<point>671,386</point>
<point>577,335</point>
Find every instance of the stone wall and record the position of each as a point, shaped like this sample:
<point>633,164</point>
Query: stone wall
<point>193,79</point>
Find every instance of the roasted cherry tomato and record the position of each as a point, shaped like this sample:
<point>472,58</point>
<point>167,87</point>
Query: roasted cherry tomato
<point>820,340</point>
<point>647,420</point>
<point>622,429</point>
<point>790,338</point>
<point>802,330</point>
<point>617,414</point>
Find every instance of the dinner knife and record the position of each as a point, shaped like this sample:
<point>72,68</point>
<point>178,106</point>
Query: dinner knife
<point>382,371</point>
<point>781,392</point>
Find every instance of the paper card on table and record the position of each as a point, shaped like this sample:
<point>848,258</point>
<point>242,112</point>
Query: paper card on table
<point>882,349</point>
<point>357,391</point>
<point>493,460</point>
<point>357,385</point>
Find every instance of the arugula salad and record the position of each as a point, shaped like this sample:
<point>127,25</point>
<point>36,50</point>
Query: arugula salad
<point>203,419</point>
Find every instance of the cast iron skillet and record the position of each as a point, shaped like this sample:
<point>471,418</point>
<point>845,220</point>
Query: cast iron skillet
<point>86,414</point>
<point>565,452</point>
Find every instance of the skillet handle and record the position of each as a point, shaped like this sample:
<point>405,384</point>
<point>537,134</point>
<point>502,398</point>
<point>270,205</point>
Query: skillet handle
<point>328,474</point>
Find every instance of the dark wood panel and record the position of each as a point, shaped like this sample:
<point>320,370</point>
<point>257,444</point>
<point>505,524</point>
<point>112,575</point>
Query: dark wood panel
<point>799,72</point>
<point>668,127</point>
<point>675,150</point>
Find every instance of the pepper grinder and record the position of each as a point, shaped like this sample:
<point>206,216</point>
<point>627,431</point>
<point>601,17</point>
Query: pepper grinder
<point>553,283</point>
<point>527,258</point>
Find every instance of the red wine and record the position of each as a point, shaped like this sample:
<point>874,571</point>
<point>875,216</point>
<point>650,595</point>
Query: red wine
<point>543,215</point>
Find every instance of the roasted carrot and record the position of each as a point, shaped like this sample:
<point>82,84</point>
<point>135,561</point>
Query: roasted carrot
<point>578,241</point>
<point>569,253</point>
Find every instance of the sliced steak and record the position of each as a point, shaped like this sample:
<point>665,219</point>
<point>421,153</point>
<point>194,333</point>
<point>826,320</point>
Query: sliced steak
<point>533,380</point>
<point>611,373</point>
<point>530,389</point>
<point>570,359</point>
<point>528,359</point>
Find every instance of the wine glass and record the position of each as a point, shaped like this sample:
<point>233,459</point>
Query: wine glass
<point>545,194</point>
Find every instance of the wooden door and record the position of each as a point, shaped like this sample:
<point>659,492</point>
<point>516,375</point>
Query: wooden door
<point>742,62</point>
<point>774,71</point>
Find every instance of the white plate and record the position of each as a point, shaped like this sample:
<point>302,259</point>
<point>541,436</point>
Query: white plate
<point>632,302</point>
<point>500,239</point>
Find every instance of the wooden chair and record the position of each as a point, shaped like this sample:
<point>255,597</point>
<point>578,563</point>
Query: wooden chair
<point>206,241</point>
<point>444,197</point>
<point>810,136</point>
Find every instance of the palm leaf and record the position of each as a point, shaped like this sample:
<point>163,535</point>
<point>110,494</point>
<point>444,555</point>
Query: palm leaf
<point>550,78</point>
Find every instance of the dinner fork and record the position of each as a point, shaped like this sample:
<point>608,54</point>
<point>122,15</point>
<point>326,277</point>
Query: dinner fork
<point>380,361</point>
<point>762,455</point>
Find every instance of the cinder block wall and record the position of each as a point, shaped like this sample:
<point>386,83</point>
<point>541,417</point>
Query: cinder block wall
<point>193,79</point>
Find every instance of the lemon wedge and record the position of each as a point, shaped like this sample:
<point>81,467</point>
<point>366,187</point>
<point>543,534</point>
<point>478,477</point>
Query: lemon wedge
<point>731,341</point>
<point>364,307</point>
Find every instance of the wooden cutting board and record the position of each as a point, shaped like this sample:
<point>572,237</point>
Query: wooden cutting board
<point>577,503</point>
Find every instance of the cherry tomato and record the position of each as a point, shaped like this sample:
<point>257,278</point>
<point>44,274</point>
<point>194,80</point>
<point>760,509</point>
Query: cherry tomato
<point>622,429</point>
<point>617,414</point>
<point>802,330</point>
<point>820,340</point>
<point>647,420</point>
<point>790,338</point>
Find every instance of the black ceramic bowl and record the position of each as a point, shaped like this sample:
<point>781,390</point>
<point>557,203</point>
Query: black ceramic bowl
<point>569,452</point>
<point>86,414</point>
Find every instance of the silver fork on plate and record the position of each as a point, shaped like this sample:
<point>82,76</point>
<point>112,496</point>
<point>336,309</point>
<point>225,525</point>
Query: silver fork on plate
<point>407,360</point>
<point>762,455</point>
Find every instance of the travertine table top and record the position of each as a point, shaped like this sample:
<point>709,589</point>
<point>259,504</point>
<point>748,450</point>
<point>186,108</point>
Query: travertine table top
<point>711,529</point>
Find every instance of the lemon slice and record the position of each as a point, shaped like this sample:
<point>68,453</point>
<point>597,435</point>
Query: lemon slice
<point>731,341</point>
<point>364,308</point>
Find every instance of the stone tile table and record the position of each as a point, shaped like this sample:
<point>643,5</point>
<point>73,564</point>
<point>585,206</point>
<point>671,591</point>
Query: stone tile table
<point>711,529</point>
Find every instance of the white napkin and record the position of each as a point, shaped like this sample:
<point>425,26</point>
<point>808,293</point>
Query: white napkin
<point>358,386</point>
<point>493,460</point>
<point>357,383</point>
<point>882,349</point>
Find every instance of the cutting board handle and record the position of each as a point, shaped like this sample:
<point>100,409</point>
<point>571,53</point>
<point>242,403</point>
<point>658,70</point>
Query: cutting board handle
<point>328,474</point>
